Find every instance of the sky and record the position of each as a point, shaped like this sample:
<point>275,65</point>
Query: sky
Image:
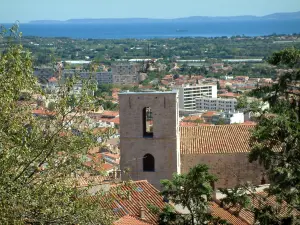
<point>28,10</point>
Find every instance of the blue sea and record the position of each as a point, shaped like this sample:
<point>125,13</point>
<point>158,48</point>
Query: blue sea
<point>161,30</point>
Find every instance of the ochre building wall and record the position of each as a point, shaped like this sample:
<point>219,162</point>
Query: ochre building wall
<point>231,169</point>
<point>163,146</point>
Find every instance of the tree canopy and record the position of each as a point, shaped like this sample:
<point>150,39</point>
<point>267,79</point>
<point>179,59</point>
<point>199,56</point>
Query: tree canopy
<point>192,191</point>
<point>275,142</point>
<point>40,157</point>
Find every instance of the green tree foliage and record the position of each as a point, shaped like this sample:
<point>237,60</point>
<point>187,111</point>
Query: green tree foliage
<point>275,141</point>
<point>229,89</point>
<point>51,106</point>
<point>192,191</point>
<point>236,198</point>
<point>39,156</point>
<point>104,90</point>
<point>218,85</point>
<point>242,102</point>
<point>108,105</point>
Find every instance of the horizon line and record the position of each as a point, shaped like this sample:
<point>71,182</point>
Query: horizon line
<point>148,18</point>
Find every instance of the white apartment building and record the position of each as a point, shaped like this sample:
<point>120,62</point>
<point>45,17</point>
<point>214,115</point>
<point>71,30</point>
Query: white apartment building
<point>216,104</point>
<point>188,94</point>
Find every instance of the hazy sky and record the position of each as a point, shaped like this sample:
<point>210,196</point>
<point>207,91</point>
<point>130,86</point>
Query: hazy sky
<point>26,10</point>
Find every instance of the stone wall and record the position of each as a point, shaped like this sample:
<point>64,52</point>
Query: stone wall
<point>163,146</point>
<point>230,169</point>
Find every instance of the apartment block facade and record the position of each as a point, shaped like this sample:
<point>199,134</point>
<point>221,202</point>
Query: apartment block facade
<point>188,94</point>
<point>100,77</point>
<point>125,73</point>
<point>216,104</point>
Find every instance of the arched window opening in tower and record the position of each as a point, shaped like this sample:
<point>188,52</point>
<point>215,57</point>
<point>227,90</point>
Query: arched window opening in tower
<point>148,122</point>
<point>148,163</point>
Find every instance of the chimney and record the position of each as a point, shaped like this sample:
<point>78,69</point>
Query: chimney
<point>115,174</point>
<point>142,212</point>
<point>214,194</point>
<point>119,173</point>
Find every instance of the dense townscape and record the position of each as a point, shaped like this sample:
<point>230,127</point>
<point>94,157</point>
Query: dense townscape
<point>149,131</point>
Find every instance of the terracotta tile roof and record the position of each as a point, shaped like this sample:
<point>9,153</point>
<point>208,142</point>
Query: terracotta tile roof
<point>90,180</point>
<point>42,112</point>
<point>191,118</point>
<point>114,156</point>
<point>128,198</point>
<point>95,157</point>
<point>209,114</point>
<point>130,220</point>
<point>249,123</point>
<point>52,79</point>
<point>165,82</point>
<point>188,124</point>
<point>215,139</point>
<point>229,94</point>
<point>114,120</point>
<point>106,167</point>
<point>217,211</point>
<point>100,130</point>
<point>270,200</point>
<point>107,113</point>
<point>193,124</point>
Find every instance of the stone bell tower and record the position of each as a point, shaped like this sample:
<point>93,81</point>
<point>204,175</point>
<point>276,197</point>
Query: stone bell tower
<point>149,136</point>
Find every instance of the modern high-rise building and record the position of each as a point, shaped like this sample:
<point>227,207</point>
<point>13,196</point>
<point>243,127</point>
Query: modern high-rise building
<point>188,94</point>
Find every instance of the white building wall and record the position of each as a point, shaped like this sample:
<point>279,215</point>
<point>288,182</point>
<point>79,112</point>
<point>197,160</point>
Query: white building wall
<point>237,118</point>
<point>188,94</point>
<point>216,104</point>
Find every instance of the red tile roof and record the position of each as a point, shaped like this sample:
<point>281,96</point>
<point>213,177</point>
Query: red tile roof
<point>114,156</point>
<point>217,211</point>
<point>106,167</point>
<point>113,120</point>
<point>90,180</point>
<point>42,112</point>
<point>110,113</point>
<point>249,123</point>
<point>188,124</point>
<point>191,118</point>
<point>129,197</point>
<point>52,79</point>
<point>130,220</point>
<point>229,94</point>
<point>215,139</point>
<point>209,114</point>
<point>248,216</point>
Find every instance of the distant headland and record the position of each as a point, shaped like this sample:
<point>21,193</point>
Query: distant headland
<point>275,16</point>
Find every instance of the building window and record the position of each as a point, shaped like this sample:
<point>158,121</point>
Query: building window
<point>148,122</point>
<point>148,163</point>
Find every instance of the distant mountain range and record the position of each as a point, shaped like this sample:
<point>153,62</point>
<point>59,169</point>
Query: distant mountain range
<point>275,16</point>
